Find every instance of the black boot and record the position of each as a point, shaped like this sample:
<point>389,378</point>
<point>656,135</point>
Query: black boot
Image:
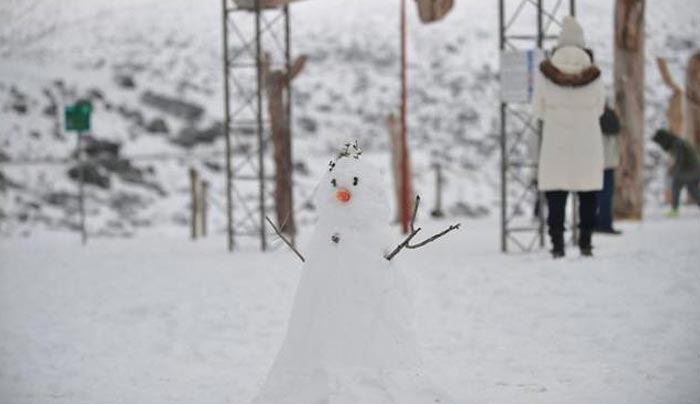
<point>557,244</point>
<point>584,243</point>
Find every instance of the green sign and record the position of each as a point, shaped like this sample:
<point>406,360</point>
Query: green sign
<point>77,117</point>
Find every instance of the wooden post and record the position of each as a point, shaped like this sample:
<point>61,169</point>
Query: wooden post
<point>277,82</point>
<point>194,203</point>
<point>203,207</point>
<point>629,102</point>
<point>692,90</point>
<point>437,212</point>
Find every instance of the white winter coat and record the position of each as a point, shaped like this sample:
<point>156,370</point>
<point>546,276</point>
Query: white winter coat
<point>571,156</point>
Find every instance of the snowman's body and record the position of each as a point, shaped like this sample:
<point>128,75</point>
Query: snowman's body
<point>350,338</point>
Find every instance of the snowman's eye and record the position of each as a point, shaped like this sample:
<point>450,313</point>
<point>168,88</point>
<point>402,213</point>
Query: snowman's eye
<point>354,180</point>
<point>333,182</point>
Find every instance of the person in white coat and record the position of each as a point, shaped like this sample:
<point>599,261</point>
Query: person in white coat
<point>569,98</point>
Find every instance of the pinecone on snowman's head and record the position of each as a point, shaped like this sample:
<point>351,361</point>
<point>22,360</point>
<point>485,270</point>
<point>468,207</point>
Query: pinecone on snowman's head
<point>349,150</point>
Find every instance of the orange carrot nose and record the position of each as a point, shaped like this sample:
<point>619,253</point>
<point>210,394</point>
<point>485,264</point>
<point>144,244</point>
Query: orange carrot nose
<point>343,195</point>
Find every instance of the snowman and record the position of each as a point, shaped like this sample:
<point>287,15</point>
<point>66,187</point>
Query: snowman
<point>350,338</point>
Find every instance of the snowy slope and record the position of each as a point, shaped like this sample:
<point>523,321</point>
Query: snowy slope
<point>179,322</point>
<point>54,52</point>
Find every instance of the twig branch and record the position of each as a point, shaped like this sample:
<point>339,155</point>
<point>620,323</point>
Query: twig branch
<point>413,216</point>
<point>289,244</point>
<point>414,231</point>
<point>402,245</point>
<point>435,237</point>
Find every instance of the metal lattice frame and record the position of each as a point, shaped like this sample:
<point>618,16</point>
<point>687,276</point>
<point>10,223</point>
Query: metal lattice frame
<point>517,124</point>
<point>248,33</point>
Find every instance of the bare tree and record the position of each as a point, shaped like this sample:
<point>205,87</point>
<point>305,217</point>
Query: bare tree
<point>629,101</point>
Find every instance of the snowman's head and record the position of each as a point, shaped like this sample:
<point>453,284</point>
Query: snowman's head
<point>352,191</point>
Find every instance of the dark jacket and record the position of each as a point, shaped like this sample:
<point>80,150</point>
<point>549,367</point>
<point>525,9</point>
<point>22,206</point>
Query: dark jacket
<point>609,122</point>
<point>686,165</point>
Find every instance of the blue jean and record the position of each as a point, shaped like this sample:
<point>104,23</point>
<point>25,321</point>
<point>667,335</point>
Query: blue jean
<point>604,217</point>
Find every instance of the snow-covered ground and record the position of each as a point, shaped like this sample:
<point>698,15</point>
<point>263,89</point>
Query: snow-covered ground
<point>160,319</point>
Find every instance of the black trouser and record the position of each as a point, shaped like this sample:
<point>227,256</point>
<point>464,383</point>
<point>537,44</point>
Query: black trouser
<point>604,218</point>
<point>691,186</point>
<point>556,201</point>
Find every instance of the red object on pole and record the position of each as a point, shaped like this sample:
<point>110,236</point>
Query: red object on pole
<point>405,171</point>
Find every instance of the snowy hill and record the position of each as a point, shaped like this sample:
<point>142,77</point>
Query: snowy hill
<point>135,58</point>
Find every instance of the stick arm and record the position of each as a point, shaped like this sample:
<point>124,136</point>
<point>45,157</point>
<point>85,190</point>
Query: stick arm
<point>286,241</point>
<point>414,231</point>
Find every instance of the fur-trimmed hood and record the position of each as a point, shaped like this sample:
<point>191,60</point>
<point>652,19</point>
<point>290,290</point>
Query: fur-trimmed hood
<point>570,67</point>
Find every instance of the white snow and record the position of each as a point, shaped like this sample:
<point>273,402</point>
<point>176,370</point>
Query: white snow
<point>159,319</point>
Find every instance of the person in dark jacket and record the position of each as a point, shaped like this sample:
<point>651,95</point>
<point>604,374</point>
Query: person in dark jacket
<point>686,166</point>
<point>610,125</point>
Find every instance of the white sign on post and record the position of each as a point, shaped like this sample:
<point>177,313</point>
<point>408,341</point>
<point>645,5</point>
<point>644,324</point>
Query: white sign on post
<point>518,70</point>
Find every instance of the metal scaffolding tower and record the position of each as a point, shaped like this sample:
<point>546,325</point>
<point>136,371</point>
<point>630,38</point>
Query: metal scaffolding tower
<point>249,32</point>
<point>518,165</point>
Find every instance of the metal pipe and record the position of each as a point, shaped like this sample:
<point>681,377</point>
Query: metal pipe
<point>288,65</point>
<point>540,34</point>
<point>504,179</point>
<point>504,157</point>
<point>81,189</point>
<point>261,143</point>
<point>227,126</point>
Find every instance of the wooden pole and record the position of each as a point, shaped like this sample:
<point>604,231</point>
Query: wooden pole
<point>437,211</point>
<point>405,184</point>
<point>629,100</point>
<point>193,204</point>
<point>203,207</point>
<point>692,91</point>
